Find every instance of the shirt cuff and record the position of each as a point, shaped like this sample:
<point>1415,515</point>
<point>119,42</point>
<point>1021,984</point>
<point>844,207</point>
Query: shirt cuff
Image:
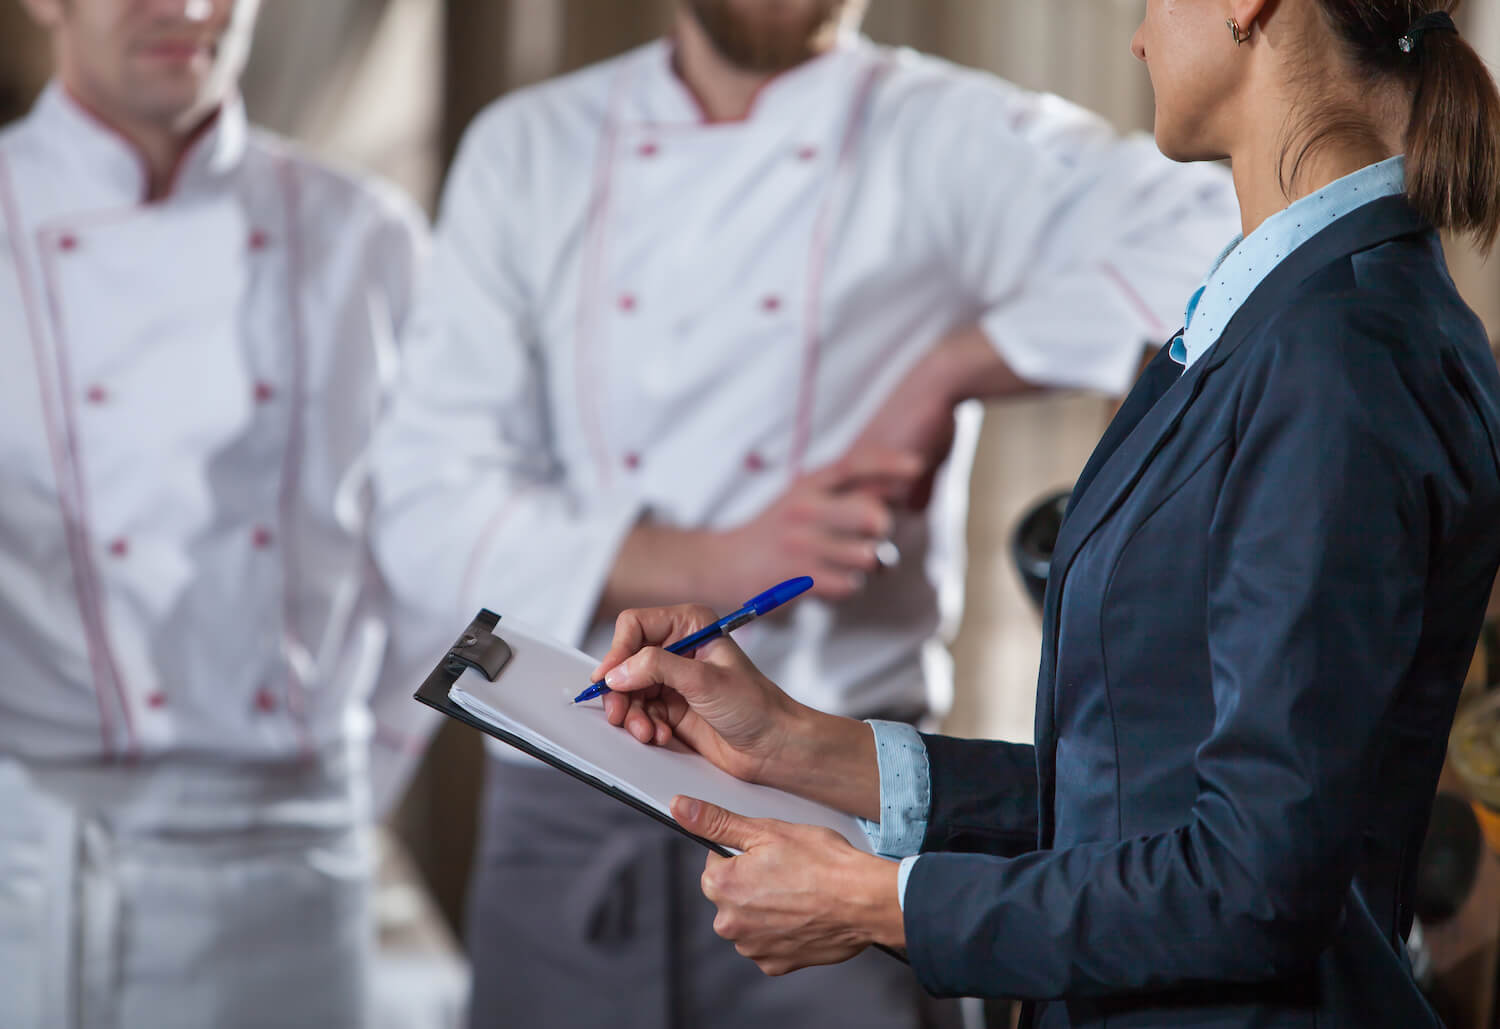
<point>905,791</point>
<point>903,874</point>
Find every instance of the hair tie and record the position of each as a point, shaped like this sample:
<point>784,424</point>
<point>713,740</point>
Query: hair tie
<point>1436,21</point>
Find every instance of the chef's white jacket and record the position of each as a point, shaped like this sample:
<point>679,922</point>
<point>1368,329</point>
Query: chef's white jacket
<point>189,392</point>
<point>632,311</point>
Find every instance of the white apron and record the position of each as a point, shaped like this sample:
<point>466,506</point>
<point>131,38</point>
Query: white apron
<point>183,894</point>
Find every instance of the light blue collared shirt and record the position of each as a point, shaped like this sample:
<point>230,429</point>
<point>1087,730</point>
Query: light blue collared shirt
<point>1245,263</point>
<point>905,796</point>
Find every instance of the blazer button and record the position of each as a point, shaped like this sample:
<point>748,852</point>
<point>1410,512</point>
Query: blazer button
<point>120,547</point>
<point>632,461</point>
<point>648,150</point>
<point>754,462</point>
<point>265,700</point>
<point>67,241</point>
<point>157,699</point>
<point>627,301</point>
<point>96,395</point>
<point>261,537</point>
<point>259,240</point>
<point>264,392</point>
<point>807,153</point>
<point>770,304</point>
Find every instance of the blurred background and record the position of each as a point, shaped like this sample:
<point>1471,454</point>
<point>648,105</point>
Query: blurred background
<point>388,85</point>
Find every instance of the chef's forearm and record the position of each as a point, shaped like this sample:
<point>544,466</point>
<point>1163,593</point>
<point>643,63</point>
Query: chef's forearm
<point>657,566</point>
<point>965,365</point>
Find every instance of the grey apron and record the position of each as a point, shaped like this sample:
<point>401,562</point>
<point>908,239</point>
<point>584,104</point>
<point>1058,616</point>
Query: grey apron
<point>583,912</point>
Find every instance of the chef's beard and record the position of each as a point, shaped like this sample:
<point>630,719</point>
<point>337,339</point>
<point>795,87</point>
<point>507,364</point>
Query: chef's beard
<point>769,35</point>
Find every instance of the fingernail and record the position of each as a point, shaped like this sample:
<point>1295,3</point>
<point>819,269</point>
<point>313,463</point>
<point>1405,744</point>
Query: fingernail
<point>616,676</point>
<point>691,809</point>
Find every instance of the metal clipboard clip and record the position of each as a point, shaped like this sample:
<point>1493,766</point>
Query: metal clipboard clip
<point>479,648</point>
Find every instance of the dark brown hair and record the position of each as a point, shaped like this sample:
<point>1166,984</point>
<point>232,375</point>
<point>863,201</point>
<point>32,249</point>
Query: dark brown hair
<point>1453,135</point>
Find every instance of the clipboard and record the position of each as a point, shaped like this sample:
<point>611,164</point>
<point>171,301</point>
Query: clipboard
<point>481,649</point>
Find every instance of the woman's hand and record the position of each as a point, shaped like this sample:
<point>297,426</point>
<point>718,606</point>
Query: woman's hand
<point>716,702</point>
<point>796,895</point>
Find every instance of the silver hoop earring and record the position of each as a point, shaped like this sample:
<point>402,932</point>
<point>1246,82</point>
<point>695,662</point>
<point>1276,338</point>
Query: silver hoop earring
<point>1241,37</point>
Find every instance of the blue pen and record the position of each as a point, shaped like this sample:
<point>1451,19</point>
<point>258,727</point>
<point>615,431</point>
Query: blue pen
<point>753,608</point>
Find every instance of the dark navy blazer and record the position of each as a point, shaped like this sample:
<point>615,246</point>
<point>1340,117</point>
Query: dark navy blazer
<point>1261,606</point>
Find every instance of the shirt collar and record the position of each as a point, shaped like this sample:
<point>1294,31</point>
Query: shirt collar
<point>785,96</point>
<point>1245,263</point>
<point>104,167</point>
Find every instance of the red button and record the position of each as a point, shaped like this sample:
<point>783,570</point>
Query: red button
<point>120,547</point>
<point>96,395</point>
<point>67,241</point>
<point>648,150</point>
<point>754,462</point>
<point>157,699</point>
<point>807,153</point>
<point>264,391</point>
<point>772,303</point>
<point>632,461</point>
<point>627,301</point>
<point>261,537</point>
<point>259,240</point>
<point>265,700</point>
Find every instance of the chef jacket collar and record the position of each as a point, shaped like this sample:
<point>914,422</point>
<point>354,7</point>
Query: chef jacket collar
<point>667,100</point>
<point>105,167</point>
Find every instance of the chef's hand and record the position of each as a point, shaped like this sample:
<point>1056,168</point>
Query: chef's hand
<point>720,705</point>
<point>796,895</point>
<point>830,524</point>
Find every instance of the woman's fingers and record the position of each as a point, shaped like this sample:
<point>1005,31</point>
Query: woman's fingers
<point>653,666</point>
<point>648,626</point>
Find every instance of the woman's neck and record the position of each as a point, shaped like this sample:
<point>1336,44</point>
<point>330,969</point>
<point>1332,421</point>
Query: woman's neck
<point>1273,169</point>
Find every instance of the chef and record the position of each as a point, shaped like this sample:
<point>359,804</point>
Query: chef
<point>700,320</point>
<point>196,318</point>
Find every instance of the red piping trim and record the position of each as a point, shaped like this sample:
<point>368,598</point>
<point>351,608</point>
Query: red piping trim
<point>189,144</point>
<point>704,118</point>
<point>70,422</point>
<point>586,372</point>
<point>292,467</point>
<point>93,594</point>
<point>1153,323</point>
<point>817,264</point>
<point>55,447</point>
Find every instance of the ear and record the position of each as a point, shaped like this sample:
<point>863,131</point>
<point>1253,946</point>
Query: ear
<point>1250,13</point>
<point>46,13</point>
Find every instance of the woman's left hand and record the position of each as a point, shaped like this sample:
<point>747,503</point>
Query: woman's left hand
<point>797,895</point>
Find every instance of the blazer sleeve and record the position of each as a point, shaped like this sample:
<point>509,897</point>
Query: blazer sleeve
<point>1318,553</point>
<point>984,796</point>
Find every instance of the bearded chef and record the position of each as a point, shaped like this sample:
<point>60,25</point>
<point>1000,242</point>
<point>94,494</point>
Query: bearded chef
<point>701,319</point>
<point>189,636</point>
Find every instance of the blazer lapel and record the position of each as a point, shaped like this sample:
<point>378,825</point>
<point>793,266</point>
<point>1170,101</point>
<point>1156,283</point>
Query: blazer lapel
<point>1151,415</point>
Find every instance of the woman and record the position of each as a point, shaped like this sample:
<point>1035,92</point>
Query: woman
<point>1261,604</point>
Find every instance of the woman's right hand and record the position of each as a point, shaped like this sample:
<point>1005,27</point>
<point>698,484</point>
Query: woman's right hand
<point>715,702</point>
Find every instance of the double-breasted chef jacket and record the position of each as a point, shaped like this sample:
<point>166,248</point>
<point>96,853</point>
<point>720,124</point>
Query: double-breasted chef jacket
<point>191,388</point>
<point>637,312</point>
<point>190,630</point>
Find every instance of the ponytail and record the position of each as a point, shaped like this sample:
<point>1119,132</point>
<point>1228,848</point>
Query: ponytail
<point>1453,136</point>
